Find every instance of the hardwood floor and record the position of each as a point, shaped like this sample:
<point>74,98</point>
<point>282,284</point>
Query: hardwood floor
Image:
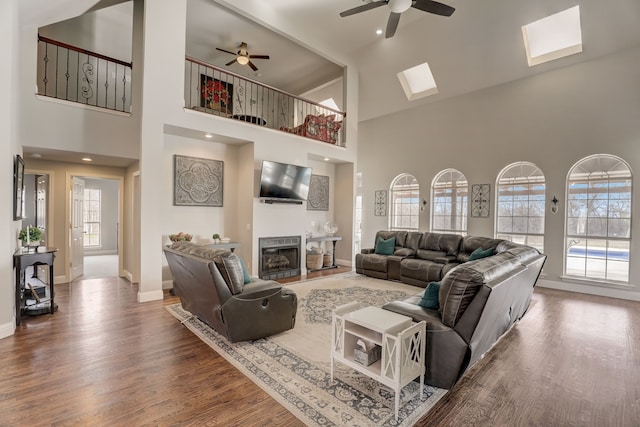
<point>103,359</point>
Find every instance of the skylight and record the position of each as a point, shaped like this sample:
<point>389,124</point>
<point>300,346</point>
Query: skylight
<point>418,82</point>
<point>553,37</point>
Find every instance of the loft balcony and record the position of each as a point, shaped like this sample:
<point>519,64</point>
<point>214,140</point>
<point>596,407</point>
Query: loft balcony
<point>212,90</point>
<point>78,75</point>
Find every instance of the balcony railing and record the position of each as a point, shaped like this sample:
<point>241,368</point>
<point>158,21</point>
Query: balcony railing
<point>212,90</point>
<point>78,75</point>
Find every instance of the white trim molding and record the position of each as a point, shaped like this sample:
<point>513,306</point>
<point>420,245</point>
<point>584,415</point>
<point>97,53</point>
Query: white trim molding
<point>7,329</point>
<point>150,296</point>
<point>585,288</point>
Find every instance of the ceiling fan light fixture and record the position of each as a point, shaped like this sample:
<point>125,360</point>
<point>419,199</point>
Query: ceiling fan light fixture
<point>242,60</point>
<point>399,6</point>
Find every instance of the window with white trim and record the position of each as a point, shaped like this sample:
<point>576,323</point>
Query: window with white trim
<point>520,201</point>
<point>404,208</point>
<point>598,219</point>
<point>92,217</point>
<point>449,202</point>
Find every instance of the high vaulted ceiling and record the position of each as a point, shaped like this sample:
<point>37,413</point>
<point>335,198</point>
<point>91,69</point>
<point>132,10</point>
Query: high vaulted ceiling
<point>479,46</point>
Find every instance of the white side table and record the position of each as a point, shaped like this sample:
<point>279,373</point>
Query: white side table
<point>402,340</point>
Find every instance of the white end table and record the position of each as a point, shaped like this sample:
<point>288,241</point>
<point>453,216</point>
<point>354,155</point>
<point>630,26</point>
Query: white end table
<point>402,340</point>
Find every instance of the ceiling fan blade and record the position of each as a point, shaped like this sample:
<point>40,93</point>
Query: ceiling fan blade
<point>226,51</point>
<point>259,56</point>
<point>231,62</point>
<point>433,7</point>
<point>253,67</point>
<point>363,8</point>
<point>392,24</point>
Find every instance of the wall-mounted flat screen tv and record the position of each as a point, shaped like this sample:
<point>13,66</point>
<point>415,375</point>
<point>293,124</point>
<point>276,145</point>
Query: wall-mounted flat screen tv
<point>282,181</point>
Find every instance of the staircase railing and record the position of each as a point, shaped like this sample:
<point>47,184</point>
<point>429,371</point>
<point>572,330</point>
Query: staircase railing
<point>213,90</point>
<point>79,75</point>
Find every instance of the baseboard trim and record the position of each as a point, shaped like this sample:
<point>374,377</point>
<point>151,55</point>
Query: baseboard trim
<point>344,262</point>
<point>167,284</point>
<point>60,279</point>
<point>7,329</point>
<point>150,296</point>
<point>590,289</point>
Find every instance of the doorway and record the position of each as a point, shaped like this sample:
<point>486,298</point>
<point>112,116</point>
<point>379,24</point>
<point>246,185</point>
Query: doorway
<point>95,240</point>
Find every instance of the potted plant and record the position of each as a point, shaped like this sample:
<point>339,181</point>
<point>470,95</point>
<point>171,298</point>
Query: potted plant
<point>32,238</point>
<point>216,238</point>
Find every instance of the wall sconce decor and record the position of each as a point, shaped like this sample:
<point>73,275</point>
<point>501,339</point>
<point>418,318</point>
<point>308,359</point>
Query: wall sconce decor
<point>554,204</point>
<point>423,205</point>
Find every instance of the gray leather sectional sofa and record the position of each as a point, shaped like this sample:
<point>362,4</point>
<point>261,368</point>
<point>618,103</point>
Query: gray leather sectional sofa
<point>478,300</point>
<point>211,285</point>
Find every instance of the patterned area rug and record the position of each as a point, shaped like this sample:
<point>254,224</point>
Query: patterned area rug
<point>294,367</point>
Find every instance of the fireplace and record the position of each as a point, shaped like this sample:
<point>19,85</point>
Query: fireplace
<point>279,257</point>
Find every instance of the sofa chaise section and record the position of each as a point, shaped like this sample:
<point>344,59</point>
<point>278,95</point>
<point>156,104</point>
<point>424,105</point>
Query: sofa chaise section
<point>478,302</point>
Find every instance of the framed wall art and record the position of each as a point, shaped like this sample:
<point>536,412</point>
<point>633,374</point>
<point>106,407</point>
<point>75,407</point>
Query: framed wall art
<point>18,187</point>
<point>380,208</point>
<point>197,182</point>
<point>480,200</point>
<point>318,199</point>
<point>216,94</point>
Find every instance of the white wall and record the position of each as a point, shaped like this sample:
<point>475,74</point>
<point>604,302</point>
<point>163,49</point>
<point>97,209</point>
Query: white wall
<point>553,120</point>
<point>106,31</point>
<point>8,149</point>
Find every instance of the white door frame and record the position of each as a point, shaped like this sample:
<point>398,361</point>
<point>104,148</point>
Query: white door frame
<point>68,185</point>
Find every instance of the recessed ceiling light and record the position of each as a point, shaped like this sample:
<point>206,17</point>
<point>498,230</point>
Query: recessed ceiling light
<point>378,31</point>
<point>87,159</point>
<point>326,159</point>
<point>36,155</point>
<point>208,135</point>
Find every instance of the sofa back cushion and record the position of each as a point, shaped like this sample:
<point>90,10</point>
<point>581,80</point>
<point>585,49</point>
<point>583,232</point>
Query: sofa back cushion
<point>471,243</point>
<point>441,242</point>
<point>400,236</point>
<point>460,285</point>
<point>413,240</point>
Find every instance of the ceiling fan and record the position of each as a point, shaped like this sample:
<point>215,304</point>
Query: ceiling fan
<point>398,7</point>
<point>242,57</point>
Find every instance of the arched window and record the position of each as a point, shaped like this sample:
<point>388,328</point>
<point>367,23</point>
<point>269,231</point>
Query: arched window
<point>520,190</point>
<point>598,219</point>
<point>449,202</point>
<point>404,207</point>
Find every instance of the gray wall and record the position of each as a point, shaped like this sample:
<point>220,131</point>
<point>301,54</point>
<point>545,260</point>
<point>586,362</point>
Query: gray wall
<point>553,120</point>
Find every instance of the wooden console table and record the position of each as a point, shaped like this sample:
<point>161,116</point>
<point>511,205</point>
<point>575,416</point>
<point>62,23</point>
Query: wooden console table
<point>26,257</point>
<point>332,239</point>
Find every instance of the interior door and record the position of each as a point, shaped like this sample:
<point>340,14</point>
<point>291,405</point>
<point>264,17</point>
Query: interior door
<point>76,239</point>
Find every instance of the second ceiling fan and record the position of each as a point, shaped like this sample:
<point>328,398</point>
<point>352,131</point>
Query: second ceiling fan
<point>242,57</point>
<point>398,7</point>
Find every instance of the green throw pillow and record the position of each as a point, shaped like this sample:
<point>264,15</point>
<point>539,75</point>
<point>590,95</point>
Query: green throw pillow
<point>480,253</point>
<point>430,296</point>
<point>385,247</point>
<point>245,272</point>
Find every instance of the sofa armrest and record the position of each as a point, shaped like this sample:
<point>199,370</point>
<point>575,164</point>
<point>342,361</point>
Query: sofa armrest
<point>367,251</point>
<point>259,313</point>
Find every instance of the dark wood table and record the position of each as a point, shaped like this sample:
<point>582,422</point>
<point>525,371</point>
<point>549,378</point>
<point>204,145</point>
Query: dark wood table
<point>26,257</point>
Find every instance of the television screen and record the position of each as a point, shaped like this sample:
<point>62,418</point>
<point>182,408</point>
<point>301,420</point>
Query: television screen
<point>284,181</point>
